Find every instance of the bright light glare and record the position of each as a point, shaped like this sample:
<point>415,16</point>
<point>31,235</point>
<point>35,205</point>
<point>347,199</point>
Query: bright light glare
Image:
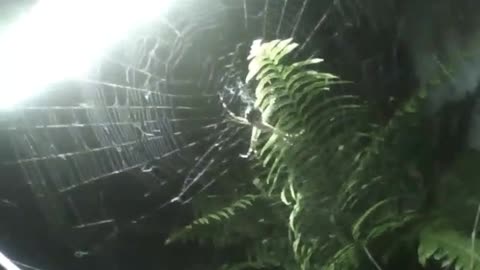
<point>7,263</point>
<point>61,39</point>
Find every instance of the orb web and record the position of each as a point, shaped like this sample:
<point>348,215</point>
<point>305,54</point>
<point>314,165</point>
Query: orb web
<point>154,107</point>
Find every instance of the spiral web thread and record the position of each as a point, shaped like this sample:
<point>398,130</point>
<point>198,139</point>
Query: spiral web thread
<point>153,103</point>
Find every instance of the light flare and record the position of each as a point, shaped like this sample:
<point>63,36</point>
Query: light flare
<point>61,39</point>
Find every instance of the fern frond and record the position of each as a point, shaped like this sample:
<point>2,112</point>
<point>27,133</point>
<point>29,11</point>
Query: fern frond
<point>360,223</point>
<point>218,216</point>
<point>449,247</point>
<point>390,224</point>
<point>382,139</point>
<point>318,123</point>
<point>346,258</point>
<point>301,105</point>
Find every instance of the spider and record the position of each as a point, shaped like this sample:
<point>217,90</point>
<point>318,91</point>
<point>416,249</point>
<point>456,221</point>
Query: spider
<point>255,118</point>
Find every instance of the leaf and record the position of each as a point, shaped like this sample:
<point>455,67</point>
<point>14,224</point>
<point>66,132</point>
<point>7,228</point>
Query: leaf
<point>357,226</point>
<point>346,258</point>
<point>449,247</point>
<point>255,49</point>
<point>390,224</point>
<point>283,196</point>
<point>279,50</point>
<point>291,219</point>
<point>253,68</point>
<point>218,216</point>
<point>311,61</point>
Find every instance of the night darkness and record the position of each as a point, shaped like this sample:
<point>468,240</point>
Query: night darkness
<point>127,163</point>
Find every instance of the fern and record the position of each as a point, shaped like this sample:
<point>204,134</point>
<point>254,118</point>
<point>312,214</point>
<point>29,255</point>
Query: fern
<point>449,247</point>
<point>300,105</point>
<point>359,224</point>
<point>306,162</point>
<point>218,216</point>
<point>345,259</point>
<point>336,183</point>
<point>390,224</point>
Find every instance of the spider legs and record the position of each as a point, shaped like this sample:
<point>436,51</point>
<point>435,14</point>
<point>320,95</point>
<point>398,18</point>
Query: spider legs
<point>253,143</point>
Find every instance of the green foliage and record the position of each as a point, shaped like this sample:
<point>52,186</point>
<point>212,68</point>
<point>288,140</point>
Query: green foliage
<point>449,247</point>
<point>346,258</point>
<point>218,216</point>
<point>297,102</point>
<point>339,191</point>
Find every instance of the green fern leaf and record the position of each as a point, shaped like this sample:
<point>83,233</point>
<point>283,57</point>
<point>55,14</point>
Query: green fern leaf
<point>346,258</point>
<point>216,217</point>
<point>390,224</point>
<point>449,247</point>
<point>358,225</point>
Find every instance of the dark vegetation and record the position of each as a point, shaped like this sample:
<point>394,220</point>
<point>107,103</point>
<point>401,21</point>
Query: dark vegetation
<point>358,173</point>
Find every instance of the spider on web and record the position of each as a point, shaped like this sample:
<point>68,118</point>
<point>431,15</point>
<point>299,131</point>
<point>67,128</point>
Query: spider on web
<point>255,118</point>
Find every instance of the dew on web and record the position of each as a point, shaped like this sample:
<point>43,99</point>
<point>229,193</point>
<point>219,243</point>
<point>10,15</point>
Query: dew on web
<point>152,109</point>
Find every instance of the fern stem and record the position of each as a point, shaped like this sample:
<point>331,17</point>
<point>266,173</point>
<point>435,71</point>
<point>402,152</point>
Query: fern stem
<point>370,257</point>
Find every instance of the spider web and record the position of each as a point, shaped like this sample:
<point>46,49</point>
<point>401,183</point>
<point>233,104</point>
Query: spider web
<point>152,108</point>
